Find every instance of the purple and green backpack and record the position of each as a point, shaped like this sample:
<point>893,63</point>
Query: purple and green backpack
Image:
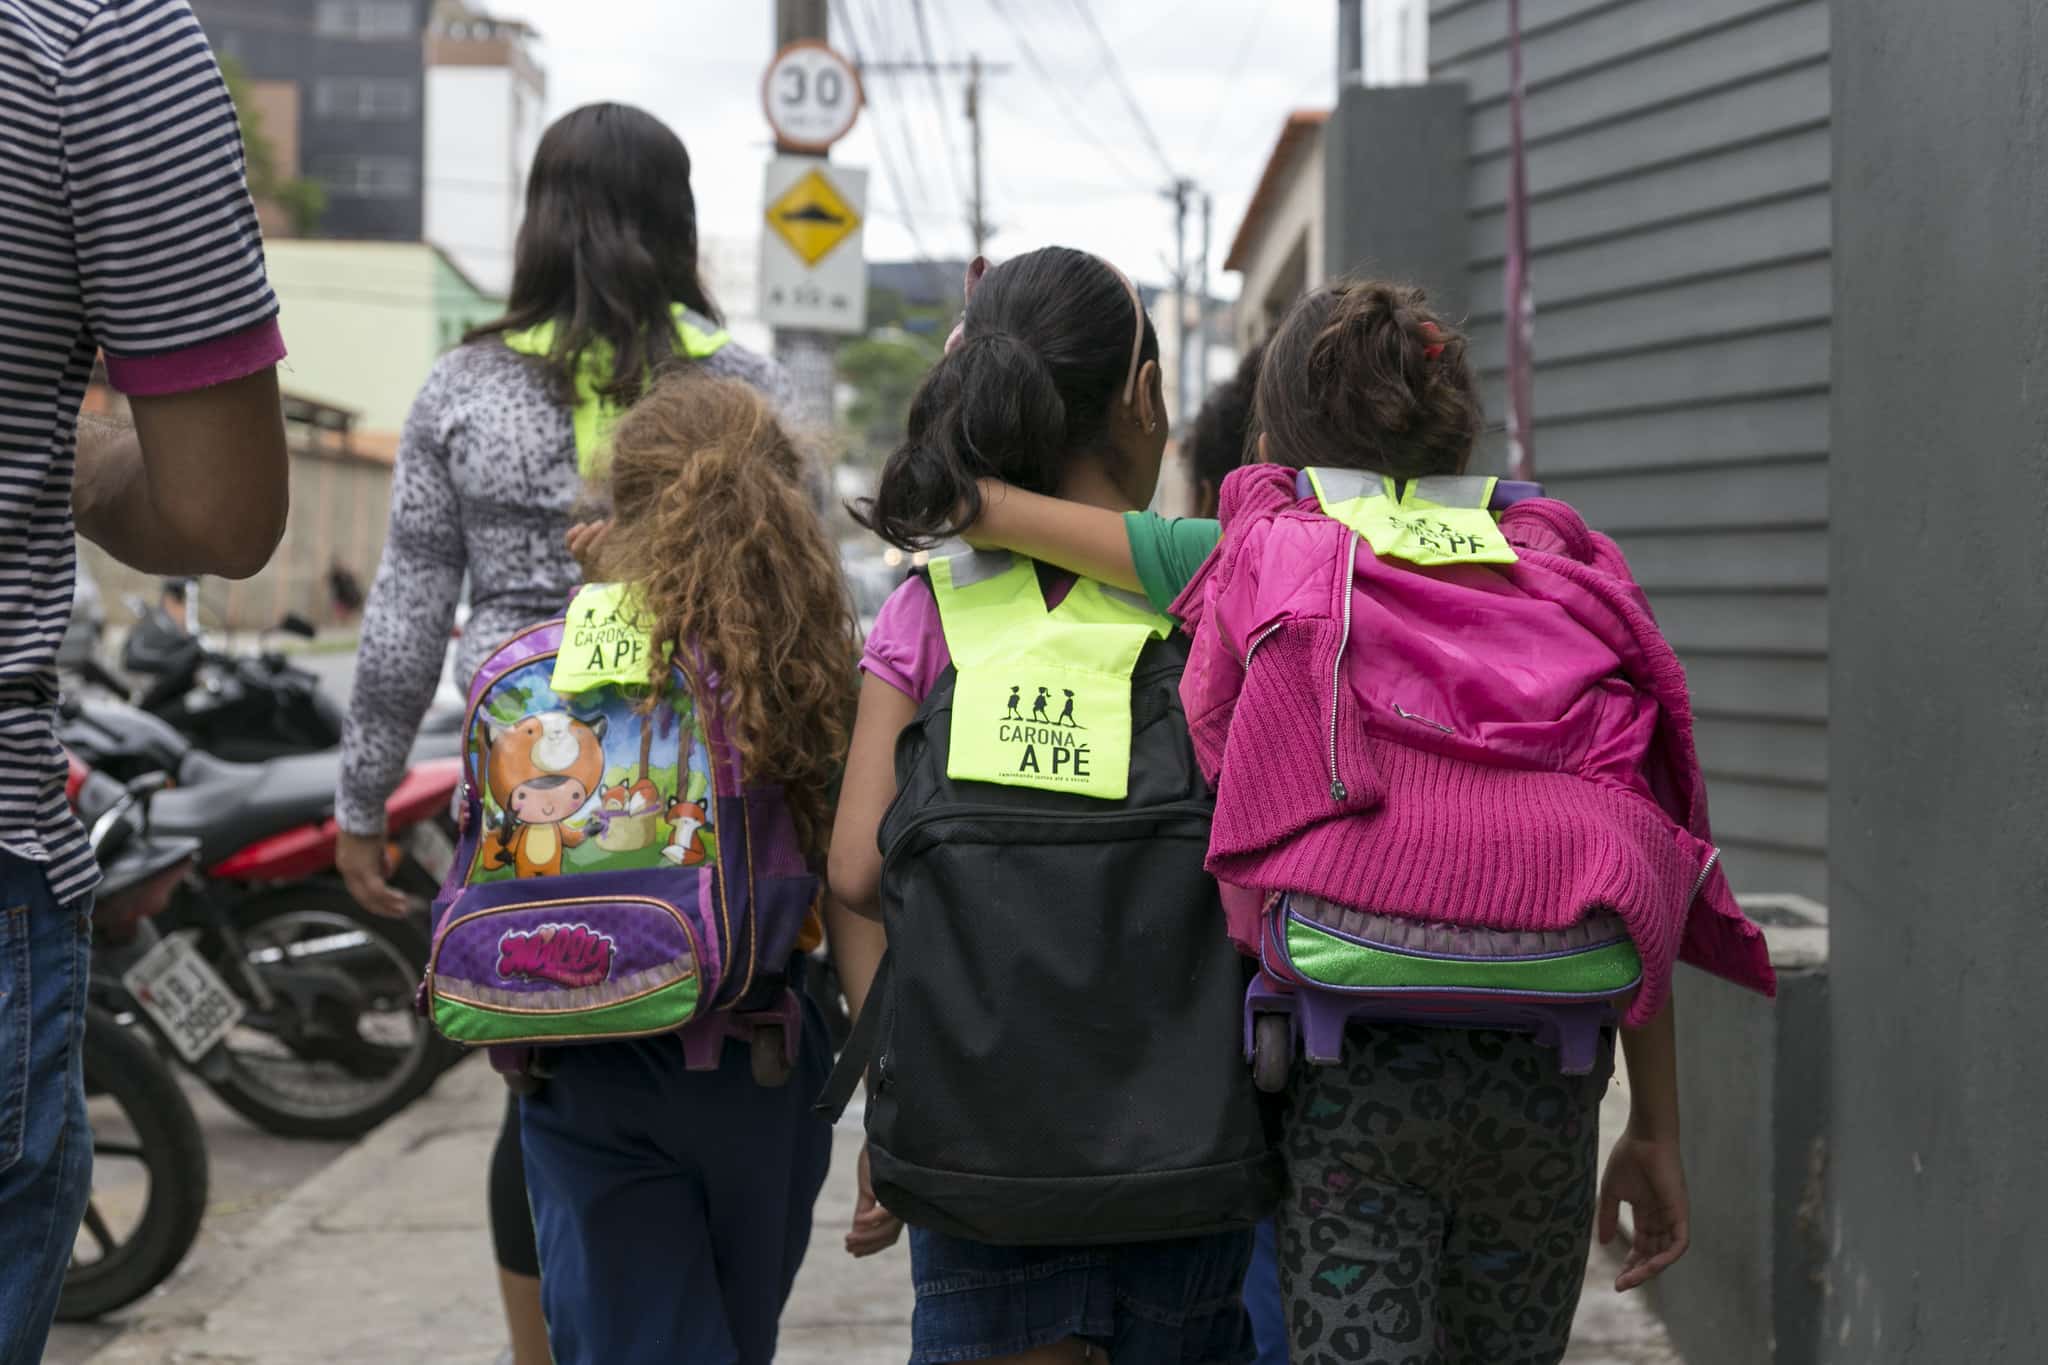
<point>617,876</point>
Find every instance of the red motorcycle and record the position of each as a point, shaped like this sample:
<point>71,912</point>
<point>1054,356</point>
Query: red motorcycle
<point>267,980</point>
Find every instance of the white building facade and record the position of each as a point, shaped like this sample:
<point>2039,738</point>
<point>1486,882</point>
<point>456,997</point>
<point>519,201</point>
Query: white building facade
<point>484,117</point>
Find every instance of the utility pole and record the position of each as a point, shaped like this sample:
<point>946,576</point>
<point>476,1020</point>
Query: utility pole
<point>1178,192</point>
<point>810,357</point>
<point>974,68</point>
<point>977,218</point>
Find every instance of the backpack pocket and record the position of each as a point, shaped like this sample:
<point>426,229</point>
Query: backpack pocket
<point>1337,948</point>
<point>559,961</point>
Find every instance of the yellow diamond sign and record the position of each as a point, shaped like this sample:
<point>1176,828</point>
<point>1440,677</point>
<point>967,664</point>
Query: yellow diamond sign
<point>812,217</point>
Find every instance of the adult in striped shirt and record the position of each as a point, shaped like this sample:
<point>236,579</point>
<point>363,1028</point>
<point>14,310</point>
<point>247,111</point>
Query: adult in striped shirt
<point>125,228</point>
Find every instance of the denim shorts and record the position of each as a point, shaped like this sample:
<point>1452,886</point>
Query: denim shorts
<point>1147,1303</point>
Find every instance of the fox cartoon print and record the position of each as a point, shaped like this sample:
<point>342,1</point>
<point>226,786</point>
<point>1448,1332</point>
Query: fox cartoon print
<point>683,849</point>
<point>542,770</point>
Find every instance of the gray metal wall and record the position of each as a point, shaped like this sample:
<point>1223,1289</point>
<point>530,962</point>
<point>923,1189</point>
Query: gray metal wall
<point>1940,676</point>
<point>1678,167</point>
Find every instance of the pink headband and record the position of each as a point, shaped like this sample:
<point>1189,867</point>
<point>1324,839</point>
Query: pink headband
<point>978,267</point>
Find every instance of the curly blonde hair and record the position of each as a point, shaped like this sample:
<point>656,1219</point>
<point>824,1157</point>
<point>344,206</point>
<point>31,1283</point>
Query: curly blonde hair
<point>711,519</point>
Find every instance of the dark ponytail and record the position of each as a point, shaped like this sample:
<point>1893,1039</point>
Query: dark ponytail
<point>1042,360</point>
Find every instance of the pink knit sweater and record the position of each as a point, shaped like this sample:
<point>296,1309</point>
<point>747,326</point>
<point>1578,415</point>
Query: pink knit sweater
<point>1501,747</point>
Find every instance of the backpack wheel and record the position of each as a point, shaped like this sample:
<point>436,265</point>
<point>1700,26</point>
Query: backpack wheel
<point>771,1057</point>
<point>1272,1052</point>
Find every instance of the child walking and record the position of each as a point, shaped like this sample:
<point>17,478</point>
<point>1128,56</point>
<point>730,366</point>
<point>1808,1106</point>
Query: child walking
<point>1052,383</point>
<point>671,1206</point>
<point>1442,1183</point>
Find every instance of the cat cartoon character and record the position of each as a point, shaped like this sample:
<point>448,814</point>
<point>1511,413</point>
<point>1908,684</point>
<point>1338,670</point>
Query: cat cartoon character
<point>683,849</point>
<point>542,770</point>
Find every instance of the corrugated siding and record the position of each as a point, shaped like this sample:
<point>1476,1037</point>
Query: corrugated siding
<point>1679,229</point>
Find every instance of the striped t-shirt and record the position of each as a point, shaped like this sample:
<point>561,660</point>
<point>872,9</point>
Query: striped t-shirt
<point>125,227</point>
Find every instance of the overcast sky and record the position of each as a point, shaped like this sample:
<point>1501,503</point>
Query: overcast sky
<point>1065,163</point>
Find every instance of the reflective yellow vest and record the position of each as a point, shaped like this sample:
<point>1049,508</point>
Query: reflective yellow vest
<point>1438,520</point>
<point>1042,698</point>
<point>594,414</point>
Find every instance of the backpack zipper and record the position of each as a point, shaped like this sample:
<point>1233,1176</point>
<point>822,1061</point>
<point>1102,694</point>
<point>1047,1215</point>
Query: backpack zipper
<point>1160,814</point>
<point>1338,792</point>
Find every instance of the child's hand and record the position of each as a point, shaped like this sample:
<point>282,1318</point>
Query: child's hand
<point>585,538</point>
<point>874,1227</point>
<point>1650,1178</point>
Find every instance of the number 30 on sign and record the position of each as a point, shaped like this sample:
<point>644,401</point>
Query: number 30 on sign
<point>811,95</point>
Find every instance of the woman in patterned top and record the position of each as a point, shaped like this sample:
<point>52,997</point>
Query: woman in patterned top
<point>605,291</point>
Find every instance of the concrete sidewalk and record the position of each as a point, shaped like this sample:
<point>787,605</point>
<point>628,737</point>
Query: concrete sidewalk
<point>385,1257</point>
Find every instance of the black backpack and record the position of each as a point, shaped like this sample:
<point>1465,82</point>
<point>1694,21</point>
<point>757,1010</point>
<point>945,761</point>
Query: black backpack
<point>1056,1031</point>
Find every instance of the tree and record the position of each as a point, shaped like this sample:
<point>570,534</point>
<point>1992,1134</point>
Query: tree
<point>884,370</point>
<point>301,200</point>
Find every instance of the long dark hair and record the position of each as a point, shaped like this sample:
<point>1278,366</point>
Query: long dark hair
<point>1361,374</point>
<point>1044,355</point>
<point>608,245</point>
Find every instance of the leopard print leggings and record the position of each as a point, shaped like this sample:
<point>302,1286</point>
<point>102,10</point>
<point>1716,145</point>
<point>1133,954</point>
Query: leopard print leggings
<point>1442,1186</point>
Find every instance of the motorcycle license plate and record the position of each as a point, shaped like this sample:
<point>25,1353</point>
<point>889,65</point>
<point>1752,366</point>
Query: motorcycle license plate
<point>186,997</point>
<point>431,848</point>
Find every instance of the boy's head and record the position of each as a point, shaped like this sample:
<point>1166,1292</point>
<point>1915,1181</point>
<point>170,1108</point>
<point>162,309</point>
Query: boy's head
<point>1362,375</point>
<point>1222,434</point>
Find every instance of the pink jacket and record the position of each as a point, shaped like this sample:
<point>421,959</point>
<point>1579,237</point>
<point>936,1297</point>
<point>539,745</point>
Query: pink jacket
<point>1502,747</point>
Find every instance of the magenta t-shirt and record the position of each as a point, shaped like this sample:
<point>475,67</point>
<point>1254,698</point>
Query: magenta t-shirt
<point>907,647</point>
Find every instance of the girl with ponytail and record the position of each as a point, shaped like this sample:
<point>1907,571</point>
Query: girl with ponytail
<point>1051,383</point>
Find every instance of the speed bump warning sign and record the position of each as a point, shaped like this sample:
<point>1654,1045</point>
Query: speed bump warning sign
<point>812,216</point>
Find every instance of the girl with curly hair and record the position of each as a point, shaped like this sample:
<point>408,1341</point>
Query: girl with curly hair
<point>673,1207</point>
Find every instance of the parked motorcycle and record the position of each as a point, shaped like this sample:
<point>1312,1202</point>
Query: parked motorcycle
<point>140,1117</point>
<point>302,1020</point>
<point>243,708</point>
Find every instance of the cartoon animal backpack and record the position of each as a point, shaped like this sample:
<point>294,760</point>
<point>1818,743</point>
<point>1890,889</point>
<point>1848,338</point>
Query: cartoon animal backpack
<point>1325,964</point>
<point>1051,1040</point>
<point>617,876</point>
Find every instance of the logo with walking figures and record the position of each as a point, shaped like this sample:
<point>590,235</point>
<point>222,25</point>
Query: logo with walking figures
<point>1033,727</point>
<point>571,955</point>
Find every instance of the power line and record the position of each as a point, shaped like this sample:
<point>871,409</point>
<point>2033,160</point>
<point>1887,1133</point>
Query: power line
<point>924,43</point>
<point>1116,75</point>
<point>843,8</point>
<point>1062,99</point>
<point>875,14</point>
<point>1244,52</point>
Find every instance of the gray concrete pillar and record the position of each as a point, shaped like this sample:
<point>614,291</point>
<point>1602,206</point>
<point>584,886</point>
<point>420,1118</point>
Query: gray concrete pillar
<point>1394,188</point>
<point>1938,612</point>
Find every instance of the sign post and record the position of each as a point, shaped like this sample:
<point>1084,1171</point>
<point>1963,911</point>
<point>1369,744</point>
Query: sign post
<point>813,279</point>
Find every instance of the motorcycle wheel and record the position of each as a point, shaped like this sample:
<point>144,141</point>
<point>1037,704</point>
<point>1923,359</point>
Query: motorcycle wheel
<point>124,1069</point>
<point>345,1049</point>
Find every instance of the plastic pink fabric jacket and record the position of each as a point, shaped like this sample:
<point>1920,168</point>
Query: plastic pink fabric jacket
<point>1503,747</point>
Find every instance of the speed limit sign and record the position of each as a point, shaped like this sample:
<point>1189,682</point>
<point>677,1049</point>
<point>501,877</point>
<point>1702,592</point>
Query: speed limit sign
<point>812,95</point>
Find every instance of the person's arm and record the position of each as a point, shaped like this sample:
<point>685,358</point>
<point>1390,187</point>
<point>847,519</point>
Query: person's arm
<point>855,866</point>
<point>1646,1171</point>
<point>856,943</point>
<point>405,627</point>
<point>1090,541</point>
<point>170,271</point>
<point>197,486</point>
<point>855,872</point>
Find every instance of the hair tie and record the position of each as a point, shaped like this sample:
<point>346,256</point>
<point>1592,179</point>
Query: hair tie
<point>1432,351</point>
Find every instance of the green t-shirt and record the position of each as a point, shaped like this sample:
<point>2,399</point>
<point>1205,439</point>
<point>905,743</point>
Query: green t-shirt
<point>1168,550</point>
